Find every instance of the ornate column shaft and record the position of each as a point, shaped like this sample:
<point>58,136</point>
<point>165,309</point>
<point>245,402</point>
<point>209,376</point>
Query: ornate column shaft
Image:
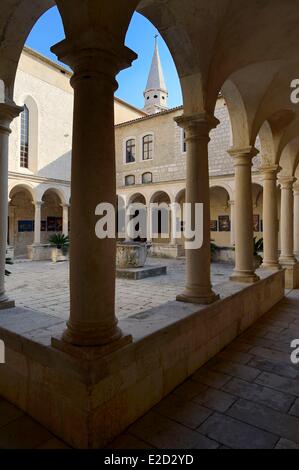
<point>197,127</point>
<point>95,59</point>
<point>287,257</point>
<point>244,269</point>
<point>296,219</point>
<point>270,216</point>
<point>8,112</point>
<point>37,222</point>
<point>65,219</point>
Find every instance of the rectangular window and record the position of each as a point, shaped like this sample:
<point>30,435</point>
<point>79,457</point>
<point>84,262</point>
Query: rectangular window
<point>24,150</point>
<point>148,146</point>
<point>130,151</point>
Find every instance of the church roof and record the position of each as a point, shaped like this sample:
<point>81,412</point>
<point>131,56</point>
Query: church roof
<point>156,77</point>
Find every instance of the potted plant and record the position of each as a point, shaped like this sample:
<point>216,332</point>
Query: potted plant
<point>60,247</point>
<point>258,247</point>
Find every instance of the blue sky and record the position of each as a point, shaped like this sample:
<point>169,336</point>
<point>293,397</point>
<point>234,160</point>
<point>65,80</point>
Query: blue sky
<point>140,38</point>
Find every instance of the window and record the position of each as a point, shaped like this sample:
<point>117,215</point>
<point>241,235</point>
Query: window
<point>148,144</point>
<point>147,178</point>
<point>184,141</point>
<point>24,150</point>
<point>130,180</point>
<point>130,151</point>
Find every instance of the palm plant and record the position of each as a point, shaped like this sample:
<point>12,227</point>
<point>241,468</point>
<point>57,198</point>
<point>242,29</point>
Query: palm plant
<point>60,241</point>
<point>258,246</point>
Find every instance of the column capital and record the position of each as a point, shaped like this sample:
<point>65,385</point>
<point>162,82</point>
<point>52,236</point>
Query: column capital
<point>269,172</point>
<point>231,203</point>
<point>287,182</point>
<point>8,112</point>
<point>38,203</point>
<point>243,156</point>
<point>92,54</point>
<point>197,125</point>
<point>296,189</point>
<point>65,205</point>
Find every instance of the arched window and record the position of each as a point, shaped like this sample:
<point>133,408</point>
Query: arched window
<point>130,151</point>
<point>24,150</point>
<point>130,180</point>
<point>147,178</point>
<point>147,147</point>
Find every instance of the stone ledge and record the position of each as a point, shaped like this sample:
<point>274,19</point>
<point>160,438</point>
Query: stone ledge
<point>137,274</point>
<point>89,403</point>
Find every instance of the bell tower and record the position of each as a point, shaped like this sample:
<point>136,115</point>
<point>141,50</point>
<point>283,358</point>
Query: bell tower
<point>155,94</point>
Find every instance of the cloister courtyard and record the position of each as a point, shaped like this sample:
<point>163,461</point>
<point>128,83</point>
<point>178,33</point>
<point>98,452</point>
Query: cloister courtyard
<point>206,355</point>
<point>245,397</point>
<point>43,286</point>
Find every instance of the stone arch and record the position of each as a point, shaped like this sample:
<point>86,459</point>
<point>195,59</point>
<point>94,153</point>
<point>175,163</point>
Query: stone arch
<point>180,196</point>
<point>16,23</point>
<point>15,187</point>
<point>221,219</point>
<point>257,202</point>
<point>162,196</point>
<point>59,193</point>
<point>161,216</point>
<point>225,187</point>
<point>21,218</point>
<point>52,212</point>
<point>137,198</point>
<point>237,113</point>
<point>289,158</point>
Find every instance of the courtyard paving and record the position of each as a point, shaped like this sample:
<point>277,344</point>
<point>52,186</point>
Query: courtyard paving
<point>247,397</point>
<point>43,286</point>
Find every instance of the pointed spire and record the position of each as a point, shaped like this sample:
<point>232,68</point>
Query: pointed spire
<point>156,93</point>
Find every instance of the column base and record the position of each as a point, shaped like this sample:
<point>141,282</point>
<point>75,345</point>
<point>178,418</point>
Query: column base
<point>271,266</point>
<point>90,353</point>
<point>200,299</point>
<point>247,277</point>
<point>88,335</point>
<point>5,302</point>
<point>288,261</point>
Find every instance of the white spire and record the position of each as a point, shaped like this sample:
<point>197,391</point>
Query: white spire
<point>156,93</point>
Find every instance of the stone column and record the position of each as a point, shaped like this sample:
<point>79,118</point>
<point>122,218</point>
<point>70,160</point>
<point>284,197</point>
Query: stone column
<point>232,222</point>
<point>149,222</point>
<point>296,219</point>
<point>95,59</point>
<point>244,268</point>
<point>270,222</point>
<point>8,112</point>
<point>37,222</point>
<point>287,257</point>
<point>197,127</point>
<point>65,219</point>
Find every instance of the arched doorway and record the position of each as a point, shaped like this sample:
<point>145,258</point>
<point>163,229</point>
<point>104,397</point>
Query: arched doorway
<point>220,216</point>
<point>21,220</point>
<point>257,196</point>
<point>138,208</point>
<point>51,214</point>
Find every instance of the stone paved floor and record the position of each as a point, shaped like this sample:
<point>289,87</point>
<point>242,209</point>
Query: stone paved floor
<point>246,397</point>
<point>43,286</point>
